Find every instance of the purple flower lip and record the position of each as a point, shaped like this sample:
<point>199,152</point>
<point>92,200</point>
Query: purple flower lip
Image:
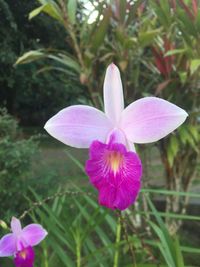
<point>25,257</point>
<point>116,174</point>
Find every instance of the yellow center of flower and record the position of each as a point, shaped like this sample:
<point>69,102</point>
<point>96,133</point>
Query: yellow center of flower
<point>115,160</point>
<point>23,254</point>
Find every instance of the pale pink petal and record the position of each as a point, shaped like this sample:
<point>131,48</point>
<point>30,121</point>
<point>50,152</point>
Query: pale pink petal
<point>116,136</point>
<point>16,226</point>
<point>131,146</point>
<point>150,119</point>
<point>8,245</point>
<point>79,125</point>
<point>33,234</point>
<point>113,94</point>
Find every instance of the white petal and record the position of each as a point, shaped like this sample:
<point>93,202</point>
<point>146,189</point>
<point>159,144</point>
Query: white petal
<point>8,245</point>
<point>113,94</point>
<point>33,234</point>
<point>78,126</point>
<point>16,226</point>
<point>150,119</point>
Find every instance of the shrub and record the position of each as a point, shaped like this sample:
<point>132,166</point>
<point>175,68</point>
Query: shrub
<point>15,165</point>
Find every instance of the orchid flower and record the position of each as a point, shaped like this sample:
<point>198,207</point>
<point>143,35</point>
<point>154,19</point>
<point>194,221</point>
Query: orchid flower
<point>114,167</point>
<point>20,243</point>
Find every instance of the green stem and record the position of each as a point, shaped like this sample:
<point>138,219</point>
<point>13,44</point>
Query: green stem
<point>118,236</point>
<point>78,254</point>
<point>45,258</point>
<point>123,225</point>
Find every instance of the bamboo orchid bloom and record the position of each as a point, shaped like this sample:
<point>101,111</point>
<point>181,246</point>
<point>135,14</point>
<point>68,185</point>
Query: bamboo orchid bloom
<point>113,167</point>
<point>20,243</point>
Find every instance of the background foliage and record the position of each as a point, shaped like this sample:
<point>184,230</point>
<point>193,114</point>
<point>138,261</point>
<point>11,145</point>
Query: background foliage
<point>26,94</point>
<point>156,46</point>
<point>15,166</point>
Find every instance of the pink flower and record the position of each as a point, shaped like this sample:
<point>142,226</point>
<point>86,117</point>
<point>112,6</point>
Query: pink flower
<point>19,243</point>
<point>114,168</point>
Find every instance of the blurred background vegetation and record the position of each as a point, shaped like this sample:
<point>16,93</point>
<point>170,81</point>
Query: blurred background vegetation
<point>54,53</point>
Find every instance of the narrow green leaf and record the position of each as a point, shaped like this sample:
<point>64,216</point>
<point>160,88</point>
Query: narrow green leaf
<point>179,255</point>
<point>100,31</point>
<point>164,246</point>
<point>194,131</point>
<point>175,52</point>
<point>30,57</point>
<point>172,215</point>
<point>190,250</point>
<point>35,12</point>
<point>169,192</point>
<point>49,8</point>
<point>162,227</point>
<point>71,10</point>
<point>65,60</point>
<point>77,162</point>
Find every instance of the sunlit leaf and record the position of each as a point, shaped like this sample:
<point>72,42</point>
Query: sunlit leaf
<point>49,8</point>
<point>71,10</point>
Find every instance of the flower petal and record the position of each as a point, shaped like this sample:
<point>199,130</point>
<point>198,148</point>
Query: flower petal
<point>113,94</point>
<point>116,174</point>
<point>150,119</point>
<point>33,234</point>
<point>79,125</point>
<point>16,226</point>
<point>8,245</point>
<point>25,257</point>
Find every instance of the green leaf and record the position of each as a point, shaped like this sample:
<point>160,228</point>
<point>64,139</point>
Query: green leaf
<point>170,155</point>
<point>146,38</point>
<point>174,145</point>
<point>36,12</point>
<point>183,76</point>
<point>100,31</point>
<point>133,10</point>
<point>49,8</point>
<point>65,60</point>
<point>30,57</point>
<point>179,255</point>
<point>172,215</point>
<point>77,162</point>
<point>190,250</point>
<point>71,10</point>
<point>162,227</point>
<point>162,14</point>
<point>194,131</point>
<point>194,65</point>
<point>184,135</point>
<point>187,24</point>
<point>164,246</point>
<point>170,192</point>
<point>122,9</point>
<point>175,52</point>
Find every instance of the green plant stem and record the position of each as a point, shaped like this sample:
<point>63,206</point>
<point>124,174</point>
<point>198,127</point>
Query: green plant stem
<point>78,254</point>
<point>118,237</point>
<point>45,258</point>
<point>123,225</point>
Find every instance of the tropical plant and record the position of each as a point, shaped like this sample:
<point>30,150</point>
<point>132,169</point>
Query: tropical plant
<point>155,45</point>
